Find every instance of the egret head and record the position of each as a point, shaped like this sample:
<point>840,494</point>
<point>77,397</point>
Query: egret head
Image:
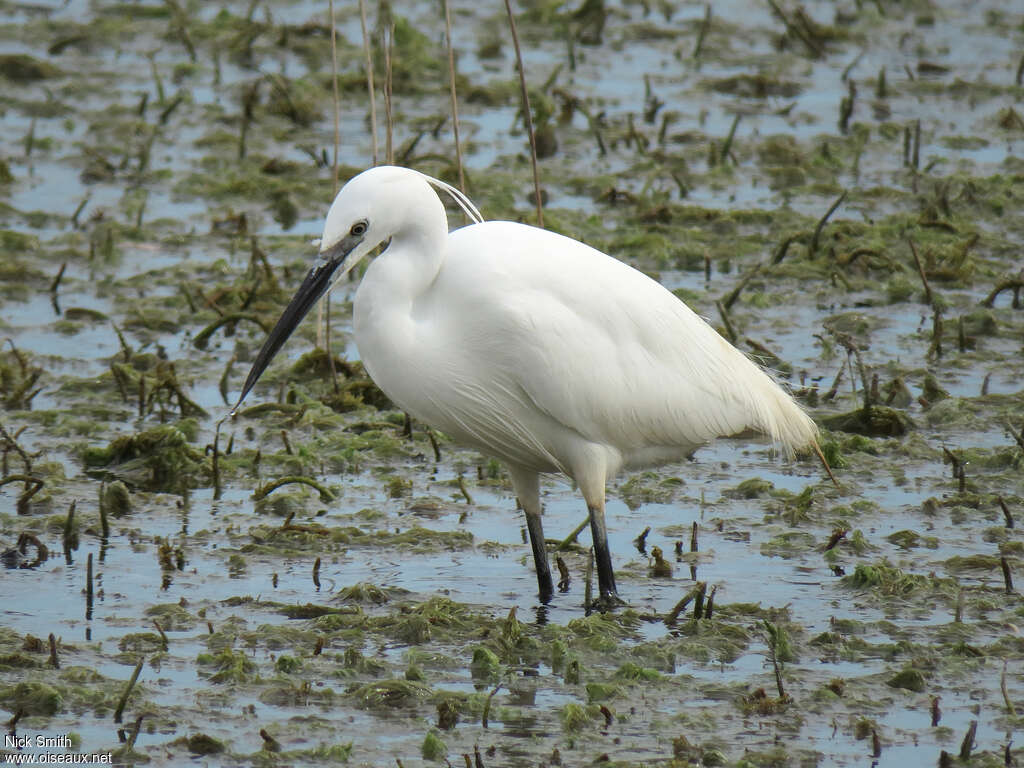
<point>373,207</point>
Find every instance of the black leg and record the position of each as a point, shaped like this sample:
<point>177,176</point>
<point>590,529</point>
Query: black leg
<point>526,483</point>
<point>603,557</point>
<point>540,557</point>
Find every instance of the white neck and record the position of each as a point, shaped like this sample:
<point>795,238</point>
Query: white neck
<point>383,316</point>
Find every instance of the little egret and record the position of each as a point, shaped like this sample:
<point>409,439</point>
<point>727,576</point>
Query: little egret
<point>531,347</point>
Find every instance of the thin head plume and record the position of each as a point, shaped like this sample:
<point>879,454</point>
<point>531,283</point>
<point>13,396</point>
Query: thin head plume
<point>457,195</point>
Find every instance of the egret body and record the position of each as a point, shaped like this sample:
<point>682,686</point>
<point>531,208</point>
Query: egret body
<point>531,347</point>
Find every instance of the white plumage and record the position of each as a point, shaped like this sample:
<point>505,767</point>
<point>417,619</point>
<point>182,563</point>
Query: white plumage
<point>533,347</point>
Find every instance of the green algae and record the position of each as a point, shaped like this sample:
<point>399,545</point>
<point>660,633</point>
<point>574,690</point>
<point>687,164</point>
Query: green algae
<point>355,664</point>
<point>32,698</point>
<point>434,748</point>
<point>485,664</point>
<point>912,539</point>
<point>172,616</point>
<point>894,582</point>
<point>18,380</point>
<point>19,661</point>
<point>435,620</point>
<point>141,643</point>
<point>115,499</point>
<point>753,488</point>
<point>366,594</point>
<point>288,665</point>
<point>390,694</point>
<point>576,717</point>
<point>230,666</point>
<point>201,744</point>
<point>649,488</point>
<point>790,544</point>
<point>602,692</point>
<point>22,68</point>
<point>156,459</point>
<point>908,679</point>
<point>960,563</point>
<point>876,421</point>
<point>261,493</point>
<point>851,258</point>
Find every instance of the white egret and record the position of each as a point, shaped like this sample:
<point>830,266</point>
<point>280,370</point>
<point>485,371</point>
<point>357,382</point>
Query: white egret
<point>531,347</point>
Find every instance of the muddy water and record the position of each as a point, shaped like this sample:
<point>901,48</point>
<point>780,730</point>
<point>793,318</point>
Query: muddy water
<point>128,166</point>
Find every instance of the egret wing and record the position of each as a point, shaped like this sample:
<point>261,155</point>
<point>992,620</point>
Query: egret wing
<point>610,353</point>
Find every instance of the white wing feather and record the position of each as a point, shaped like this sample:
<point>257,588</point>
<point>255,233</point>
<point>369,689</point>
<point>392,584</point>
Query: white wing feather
<point>596,346</point>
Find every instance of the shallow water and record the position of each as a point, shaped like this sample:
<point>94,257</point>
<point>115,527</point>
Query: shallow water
<point>764,554</point>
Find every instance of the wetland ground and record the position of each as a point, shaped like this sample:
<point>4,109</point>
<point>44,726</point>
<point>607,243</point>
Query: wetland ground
<point>837,186</point>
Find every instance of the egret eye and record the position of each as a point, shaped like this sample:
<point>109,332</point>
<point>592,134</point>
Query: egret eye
<point>358,229</point>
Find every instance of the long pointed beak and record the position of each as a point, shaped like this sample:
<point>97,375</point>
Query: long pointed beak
<point>316,284</point>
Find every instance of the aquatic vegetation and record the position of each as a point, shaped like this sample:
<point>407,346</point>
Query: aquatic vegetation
<point>18,379</point>
<point>163,171</point>
<point>157,459</point>
<point>231,667</point>
<point>32,698</point>
<point>390,694</point>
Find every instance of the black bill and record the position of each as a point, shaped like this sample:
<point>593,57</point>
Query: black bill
<point>313,287</point>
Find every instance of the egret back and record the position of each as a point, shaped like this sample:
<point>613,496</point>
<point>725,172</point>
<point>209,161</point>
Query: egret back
<point>598,347</point>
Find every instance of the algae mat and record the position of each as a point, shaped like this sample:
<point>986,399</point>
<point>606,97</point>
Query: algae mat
<point>836,186</point>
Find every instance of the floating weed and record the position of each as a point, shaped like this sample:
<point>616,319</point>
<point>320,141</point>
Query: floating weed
<point>115,499</point>
<point>433,620</point>
<point>305,611</point>
<point>752,197</point>
<point>326,495</point>
<point>576,717</point>
<point>32,698</point>
<point>352,618</point>
<point>431,660</point>
<point>961,563</point>
<point>908,679</point>
<point>434,748</point>
<point>758,702</point>
<point>635,673</point>
<point>419,539</point>
<point>202,744</point>
<point>649,488</point>
<point>390,694</point>
<point>156,459</point>
<point>329,754</point>
<point>601,692</point>
<point>18,379</point>
<point>172,617</point>
<point>232,666</point>
<point>789,544</point>
<point>365,594</point>
<point>21,69</point>
<point>753,488</point>
<point>889,581</point>
<point>876,421</point>
<point>297,694</point>
<point>285,505</point>
<point>136,643</point>
<point>279,638</point>
<point>908,539</point>
<point>601,631</point>
<point>485,665</point>
<point>358,664</point>
<point>12,661</point>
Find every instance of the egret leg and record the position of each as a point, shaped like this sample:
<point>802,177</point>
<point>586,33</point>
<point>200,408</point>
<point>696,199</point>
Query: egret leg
<point>590,471</point>
<point>602,555</point>
<point>527,487</point>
